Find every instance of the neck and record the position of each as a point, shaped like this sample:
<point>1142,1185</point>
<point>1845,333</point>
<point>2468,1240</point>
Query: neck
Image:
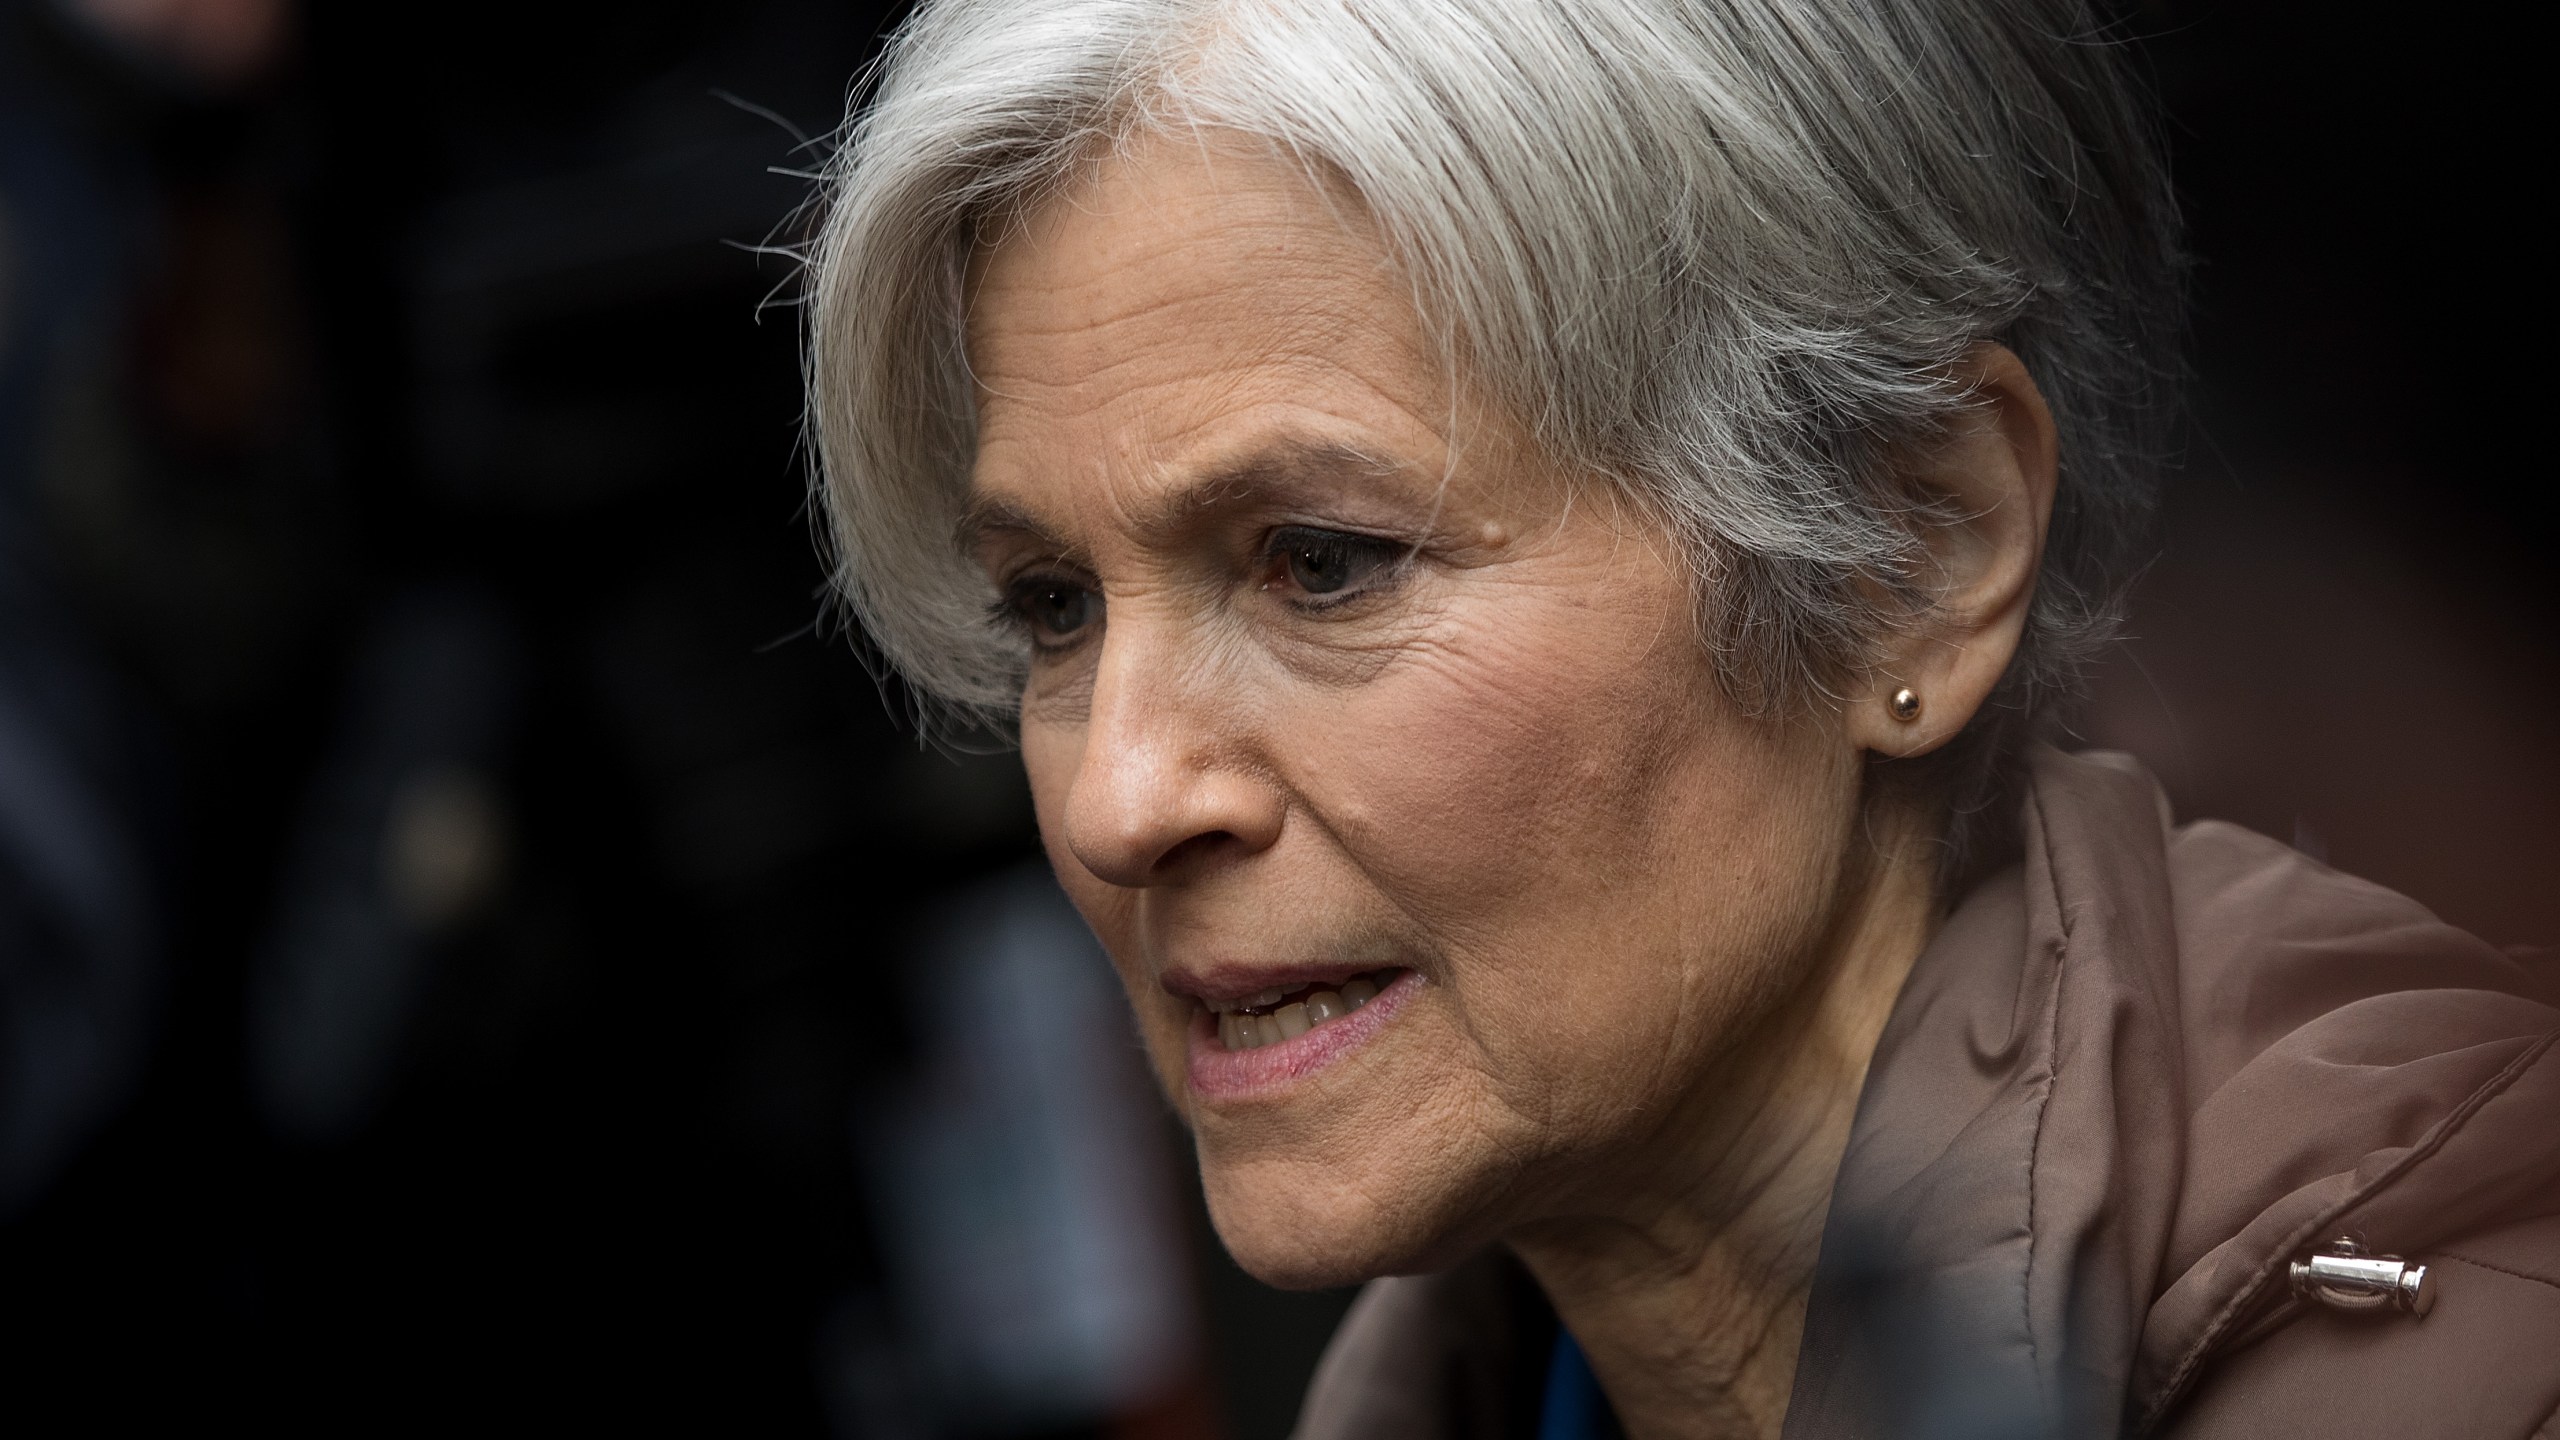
<point>1688,1294</point>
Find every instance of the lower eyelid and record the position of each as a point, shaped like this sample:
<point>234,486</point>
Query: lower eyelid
<point>1060,649</point>
<point>1389,577</point>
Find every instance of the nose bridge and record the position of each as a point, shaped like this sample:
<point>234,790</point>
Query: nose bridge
<point>1162,767</point>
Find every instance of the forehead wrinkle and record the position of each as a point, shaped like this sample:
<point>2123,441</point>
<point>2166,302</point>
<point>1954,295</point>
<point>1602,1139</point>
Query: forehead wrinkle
<point>1277,467</point>
<point>1028,347</point>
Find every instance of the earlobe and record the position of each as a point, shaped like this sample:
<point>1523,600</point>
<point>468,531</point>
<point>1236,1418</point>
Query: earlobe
<point>1895,721</point>
<point>1993,470</point>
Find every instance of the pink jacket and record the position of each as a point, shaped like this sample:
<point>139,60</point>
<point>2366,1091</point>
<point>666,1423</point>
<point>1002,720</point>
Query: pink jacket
<point>2135,1077</point>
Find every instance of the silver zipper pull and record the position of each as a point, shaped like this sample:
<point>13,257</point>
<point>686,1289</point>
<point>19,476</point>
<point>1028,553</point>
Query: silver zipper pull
<point>2342,1276</point>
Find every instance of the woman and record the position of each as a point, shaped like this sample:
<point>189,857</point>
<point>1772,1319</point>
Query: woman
<point>1529,542</point>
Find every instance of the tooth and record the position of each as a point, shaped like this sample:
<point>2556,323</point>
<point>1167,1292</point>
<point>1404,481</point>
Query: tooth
<point>1293,1020</point>
<point>1227,1031</point>
<point>1268,1031</point>
<point>1223,1007</point>
<point>1358,993</point>
<point>1325,1005</point>
<point>1264,1000</point>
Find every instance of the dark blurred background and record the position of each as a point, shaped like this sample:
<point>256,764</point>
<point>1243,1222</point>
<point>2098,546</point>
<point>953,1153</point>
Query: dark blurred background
<point>476,949</point>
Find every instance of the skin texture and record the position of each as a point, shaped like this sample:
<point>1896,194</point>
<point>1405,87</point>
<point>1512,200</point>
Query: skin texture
<point>1652,938</point>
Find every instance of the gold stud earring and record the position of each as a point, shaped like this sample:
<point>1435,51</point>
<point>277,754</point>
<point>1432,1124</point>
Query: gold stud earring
<point>1905,705</point>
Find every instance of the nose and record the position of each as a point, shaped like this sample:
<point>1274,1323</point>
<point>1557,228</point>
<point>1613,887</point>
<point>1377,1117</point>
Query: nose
<point>1166,786</point>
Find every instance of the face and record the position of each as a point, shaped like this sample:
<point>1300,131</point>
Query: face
<point>1339,686</point>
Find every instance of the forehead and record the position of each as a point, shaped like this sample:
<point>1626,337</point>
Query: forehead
<point>1189,300</point>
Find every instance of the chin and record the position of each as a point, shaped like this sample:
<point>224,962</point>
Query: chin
<point>1295,1262</point>
<point>1299,1224</point>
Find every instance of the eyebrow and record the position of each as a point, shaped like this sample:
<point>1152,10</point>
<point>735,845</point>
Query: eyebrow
<point>1278,467</point>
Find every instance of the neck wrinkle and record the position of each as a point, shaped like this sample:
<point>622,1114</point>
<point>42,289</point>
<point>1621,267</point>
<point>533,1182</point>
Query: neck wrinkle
<point>1689,1300</point>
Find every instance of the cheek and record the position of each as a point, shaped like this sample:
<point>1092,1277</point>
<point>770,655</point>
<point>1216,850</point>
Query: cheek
<point>1517,759</point>
<point>1610,861</point>
<point>1050,754</point>
<point>1048,761</point>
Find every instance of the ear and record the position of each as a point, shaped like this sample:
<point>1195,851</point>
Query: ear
<point>1994,466</point>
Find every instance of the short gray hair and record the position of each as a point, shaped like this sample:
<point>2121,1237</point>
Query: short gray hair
<point>1727,254</point>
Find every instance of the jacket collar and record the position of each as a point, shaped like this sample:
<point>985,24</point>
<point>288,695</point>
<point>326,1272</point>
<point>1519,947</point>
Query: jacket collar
<point>2126,1084</point>
<point>2131,1077</point>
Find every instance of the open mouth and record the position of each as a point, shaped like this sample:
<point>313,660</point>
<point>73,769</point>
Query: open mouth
<point>1276,1015</point>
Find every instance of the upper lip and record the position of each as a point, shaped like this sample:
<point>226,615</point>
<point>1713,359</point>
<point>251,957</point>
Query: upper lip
<point>1213,983</point>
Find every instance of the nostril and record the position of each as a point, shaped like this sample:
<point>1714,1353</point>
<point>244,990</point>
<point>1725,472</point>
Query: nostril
<point>1195,851</point>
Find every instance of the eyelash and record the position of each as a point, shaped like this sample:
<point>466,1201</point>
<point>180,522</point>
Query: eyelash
<point>1013,608</point>
<point>1289,542</point>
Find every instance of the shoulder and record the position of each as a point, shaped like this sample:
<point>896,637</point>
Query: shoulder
<point>2353,1063</point>
<point>2480,1363</point>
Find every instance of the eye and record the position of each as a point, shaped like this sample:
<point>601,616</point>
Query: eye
<point>1328,563</point>
<point>1053,609</point>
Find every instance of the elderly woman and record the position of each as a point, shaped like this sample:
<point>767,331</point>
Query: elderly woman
<point>1529,543</point>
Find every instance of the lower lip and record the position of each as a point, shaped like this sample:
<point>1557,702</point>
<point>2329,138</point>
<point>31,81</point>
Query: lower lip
<point>1218,1073</point>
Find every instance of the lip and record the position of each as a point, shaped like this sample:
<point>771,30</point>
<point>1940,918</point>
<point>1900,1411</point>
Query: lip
<point>1218,1073</point>
<point>1211,983</point>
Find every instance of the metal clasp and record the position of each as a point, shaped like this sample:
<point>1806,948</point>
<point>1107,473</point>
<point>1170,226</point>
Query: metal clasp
<point>2342,1276</point>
